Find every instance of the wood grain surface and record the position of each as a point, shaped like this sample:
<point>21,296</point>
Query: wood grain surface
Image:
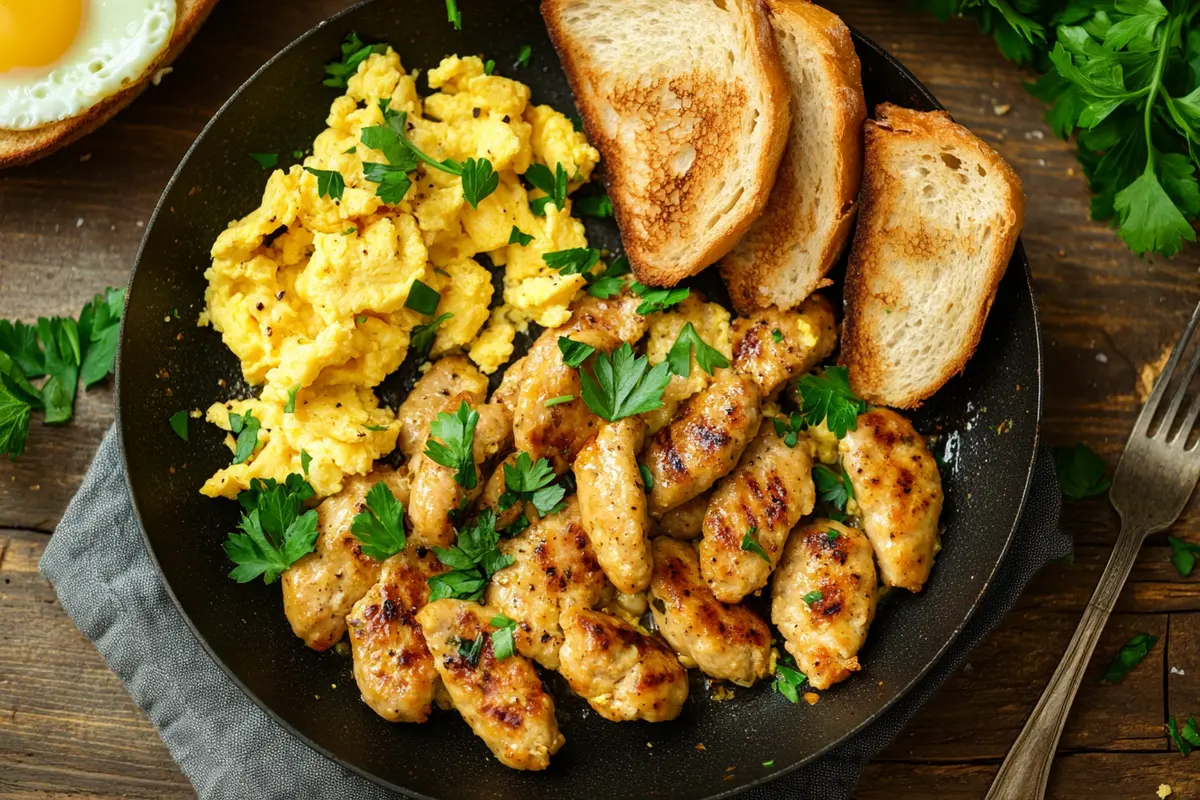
<point>71,224</point>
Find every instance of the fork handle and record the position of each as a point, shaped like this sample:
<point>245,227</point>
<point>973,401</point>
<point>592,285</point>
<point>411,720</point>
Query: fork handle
<point>1026,770</point>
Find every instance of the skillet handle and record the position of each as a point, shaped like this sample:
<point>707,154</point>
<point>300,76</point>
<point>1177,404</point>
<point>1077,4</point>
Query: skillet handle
<point>1026,770</point>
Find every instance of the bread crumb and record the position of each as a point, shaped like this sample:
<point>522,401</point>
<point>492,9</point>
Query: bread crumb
<point>1164,790</point>
<point>79,222</point>
<point>1001,109</point>
<point>1070,172</point>
<point>811,698</point>
<point>162,73</point>
<point>1177,671</point>
<point>721,693</point>
<point>1149,373</point>
<point>1102,358</point>
<point>700,746</point>
<point>86,157</point>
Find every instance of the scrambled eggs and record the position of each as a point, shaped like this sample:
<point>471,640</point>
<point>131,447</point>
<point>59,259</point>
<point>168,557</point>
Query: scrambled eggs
<point>309,293</point>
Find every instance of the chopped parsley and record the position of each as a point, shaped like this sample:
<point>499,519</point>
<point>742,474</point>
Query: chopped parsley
<point>518,236</point>
<point>423,335</point>
<point>503,645</point>
<point>598,206</point>
<point>290,406</point>
<point>489,67</point>
<point>1183,555</point>
<point>832,535</point>
<point>1128,657</point>
<point>478,180</point>
<point>523,55</point>
<point>828,398</point>
<point>453,15</point>
<point>814,596</point>
<point>422,299</point>
<point>1080,472</point>
<point>354,52</point>
<point>750,544</point>
<point>777,335</point>
<point>265,160</point>
<point>658,299</point>
<point>274,532</point>
<point>470,649</point>
<point>558,401</point>
<point>379,527</point>
<point>554,184</point>
<point>305,460</point>
<point>575,261</point>
<point>245,427</point>
<point>1185,738</point>
<point>622,385</point>
<point>788,679</point>
<point>179,424</point>
<point>647,477</point>
<point>456,450</point>
<point>330,183</point>
<point>393,181</point>
<point>529,481</point>
<point>833,487</point>
<point>788,428</point>
<point>610,281</point>
<point>298,154</point>
<point>574,353</point>
<point>473,559</point>
<point>679,359</point>
<point>350,230</point>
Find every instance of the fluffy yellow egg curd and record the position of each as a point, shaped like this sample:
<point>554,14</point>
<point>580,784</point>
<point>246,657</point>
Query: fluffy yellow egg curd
<point>309,293</point>
<point>36,33</point>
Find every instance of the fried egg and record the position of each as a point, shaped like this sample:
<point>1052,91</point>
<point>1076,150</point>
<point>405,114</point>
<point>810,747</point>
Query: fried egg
<point>59,58</point>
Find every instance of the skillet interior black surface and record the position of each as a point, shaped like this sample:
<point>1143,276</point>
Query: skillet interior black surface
<point>160,372</point>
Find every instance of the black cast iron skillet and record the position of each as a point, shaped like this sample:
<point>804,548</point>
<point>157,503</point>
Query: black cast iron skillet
<point>281,109</point>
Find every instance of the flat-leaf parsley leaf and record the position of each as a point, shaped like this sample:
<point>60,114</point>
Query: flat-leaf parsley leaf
<point>456,449</point>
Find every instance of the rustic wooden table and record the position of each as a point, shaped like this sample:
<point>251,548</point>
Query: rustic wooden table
<point>71,224</point>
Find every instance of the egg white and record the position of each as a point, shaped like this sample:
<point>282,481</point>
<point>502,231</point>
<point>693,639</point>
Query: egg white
<point>118,41</point>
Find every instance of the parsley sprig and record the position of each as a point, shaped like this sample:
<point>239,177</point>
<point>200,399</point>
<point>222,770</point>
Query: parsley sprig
<point>679,358</point>
<point>245,427</point>
<point>473,559</point>
<point>379,527</point>
<point>64,351</point>
<point>621,385</point>
<point>274,531</point>
<point>530,481</point>
<point>456,449</point>
<point>1121,78</point>
<point>827,397</point>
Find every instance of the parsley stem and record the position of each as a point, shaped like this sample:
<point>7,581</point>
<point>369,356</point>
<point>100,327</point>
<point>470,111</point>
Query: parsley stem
<point>416,151</point>
<point>1155,85</point>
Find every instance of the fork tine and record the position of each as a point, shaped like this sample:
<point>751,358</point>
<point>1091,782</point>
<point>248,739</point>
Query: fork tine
<point>1189,420</point>
<point>1143,421</point>
<point>1180,392</point>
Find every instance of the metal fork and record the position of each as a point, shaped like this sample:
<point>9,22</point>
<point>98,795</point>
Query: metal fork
<point>1153,481</point>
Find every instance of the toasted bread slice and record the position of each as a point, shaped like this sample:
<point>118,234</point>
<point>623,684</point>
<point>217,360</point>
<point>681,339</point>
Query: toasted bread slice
<point>939,219</point>
<point>21,147</point>
<point>786,254</point>
<point>687,103</point>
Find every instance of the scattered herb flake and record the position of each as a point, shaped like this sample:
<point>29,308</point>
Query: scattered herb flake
<point>179,424</point>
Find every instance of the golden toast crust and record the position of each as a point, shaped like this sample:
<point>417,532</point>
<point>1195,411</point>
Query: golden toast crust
<point>859,351</point>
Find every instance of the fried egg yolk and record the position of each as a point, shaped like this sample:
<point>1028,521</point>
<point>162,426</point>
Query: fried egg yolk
<point>36,33</point>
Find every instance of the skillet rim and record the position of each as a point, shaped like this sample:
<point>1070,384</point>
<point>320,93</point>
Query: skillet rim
<point>1019,254</point>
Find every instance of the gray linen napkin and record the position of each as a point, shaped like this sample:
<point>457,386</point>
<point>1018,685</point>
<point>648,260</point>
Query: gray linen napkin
<point>225,744</point>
